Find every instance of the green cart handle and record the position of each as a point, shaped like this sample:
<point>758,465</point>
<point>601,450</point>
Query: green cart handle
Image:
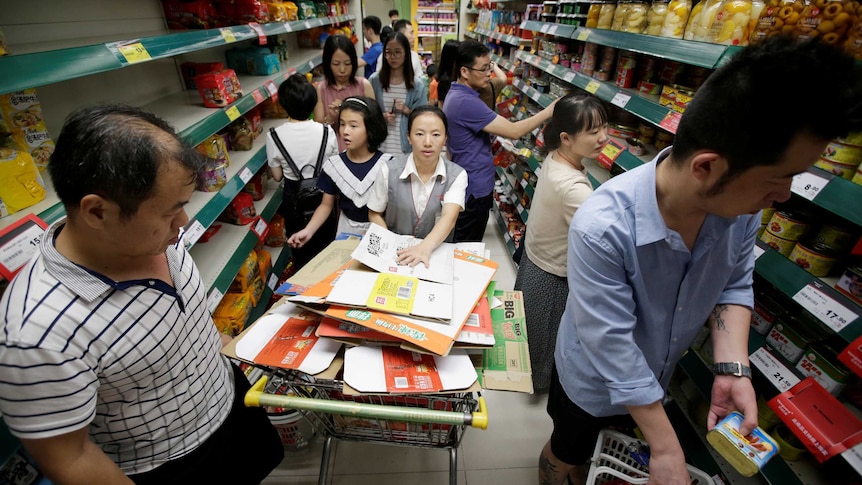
<point>255,397</point>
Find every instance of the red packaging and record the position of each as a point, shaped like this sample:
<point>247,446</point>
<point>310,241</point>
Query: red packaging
<point>254,118</point>
<point>250,11</point>
<point>255,186</point>
<point>196,14</point>
<point>192,69</point>
<point>218,89</point>
<point>240,211</point>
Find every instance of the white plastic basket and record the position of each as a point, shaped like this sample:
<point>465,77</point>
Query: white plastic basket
<point>611,460</point>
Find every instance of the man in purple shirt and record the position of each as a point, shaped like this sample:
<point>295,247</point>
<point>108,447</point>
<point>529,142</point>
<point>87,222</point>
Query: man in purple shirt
<point>471,124</point>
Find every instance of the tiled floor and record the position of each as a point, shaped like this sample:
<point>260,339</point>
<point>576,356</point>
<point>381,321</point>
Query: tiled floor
<point>506,453</point>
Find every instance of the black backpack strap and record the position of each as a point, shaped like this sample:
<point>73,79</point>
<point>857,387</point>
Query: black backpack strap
<point>284,153</point>
<point>322,151</point>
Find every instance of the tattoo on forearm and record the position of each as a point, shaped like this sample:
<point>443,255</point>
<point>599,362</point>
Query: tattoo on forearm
<point>716,317</point>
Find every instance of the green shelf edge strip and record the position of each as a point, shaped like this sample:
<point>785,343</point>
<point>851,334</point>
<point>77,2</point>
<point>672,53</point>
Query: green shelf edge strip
<point>790,278</point>
<point>627,161</point>
<point>549,28</point>
<point>593,181</point>
<point>227,274</point>
<point>840,197</point>
<point>25,71</point>
<point>644,108</point>
<point>776,471</point>
<point>277,268</point>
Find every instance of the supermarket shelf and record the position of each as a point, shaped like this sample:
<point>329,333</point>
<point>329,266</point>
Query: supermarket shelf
<point>506,64</point>
<point>777,471</point>
<point>280,257</point>
<point>518,173</point>
<point>471,35</point>
<point>220,258</point>
<point>543,99</point>
<point>523,212</point>
<point>36,69</point>
<point>436,22</point>
<point>446,7</point>
<point>701,54</point>
<point>509,39</point>
<point>549,28</point>
<point>647,108</point>
<point>790,278</point>
<point>195,123</point>
<point>840,196</point>
<point>434,34</point>
<point>507,238</point>
<point>473,11</point>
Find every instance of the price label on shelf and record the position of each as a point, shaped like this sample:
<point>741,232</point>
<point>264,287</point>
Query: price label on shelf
<point>808,185</point>
<point>535,95</point>
<point>261,35</point>
<point>131,53</point>
<point>758,252</point>
<point>592,87</point>
<point>307,24</point>
<point>259,227</point>
<point>288,27</point>
<point>18,242</point>
<point>258,97</point>
<point>854,457</point>
<point>569,76</point>
<point>194,232</point>
<point>245,175</point>
<point>835,315</point>
<point>778,374</point>
<point>671,121</point>
<point>553,30</point>
<point>621,99</point>
<point>506,236</point>
<point>214,299</point>
<point>544,28</point>
<point>232,113</point>
<point>227,35</point>
<point>273,91</point>
<point>584,34</point>
<point>273,280</point>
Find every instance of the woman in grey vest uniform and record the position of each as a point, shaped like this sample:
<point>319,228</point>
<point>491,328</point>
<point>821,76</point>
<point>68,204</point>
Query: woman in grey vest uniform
<point>420,193</point>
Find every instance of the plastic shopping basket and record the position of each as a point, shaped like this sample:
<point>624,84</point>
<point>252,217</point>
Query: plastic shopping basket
<point>424,420</point>
<point>611,460</point>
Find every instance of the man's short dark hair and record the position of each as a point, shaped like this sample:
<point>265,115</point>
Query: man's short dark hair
<point>393,12</point>
<point>401,25</point>
<point>468,52</point>
<point>297,96</point>
<point>750,110</point>
<point>372,22</point>
<point>116,151</point>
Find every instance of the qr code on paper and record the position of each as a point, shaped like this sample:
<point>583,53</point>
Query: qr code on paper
<point>374,246</point>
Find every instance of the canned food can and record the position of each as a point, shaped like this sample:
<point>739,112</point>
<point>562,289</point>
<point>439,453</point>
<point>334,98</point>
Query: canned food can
<point>786,225</point>
<point>746,453</point>
<point>850,283</point>
<point>789,343</point>
<point>625,78</point>
<point>622,131</point>
<point>843,153</point>
<point>852,139</point>
<point>670,72</point>
<point>649,88</point>
<point>843,170</point>
<point>627,60</point>
<point>766,215</point>
<point>817,259</point>
<point>647,66</point>
<point>601,75</point>
<point>635,147</point>
<point>783,246</point>
<point>837,238</point>
<point>821,363</point>
<point>765,315</point>
<point>857,179</point>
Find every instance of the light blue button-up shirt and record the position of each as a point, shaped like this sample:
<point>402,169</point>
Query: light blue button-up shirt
<point>637,296</point>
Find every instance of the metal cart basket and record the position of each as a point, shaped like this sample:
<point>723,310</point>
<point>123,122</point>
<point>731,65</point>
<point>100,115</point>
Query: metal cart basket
<point>425,420</point>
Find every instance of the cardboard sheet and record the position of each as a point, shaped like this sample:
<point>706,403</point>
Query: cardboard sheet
<point>391,370</point>
<point>334,256</point>
<point>391,293</point>
<point>379,247</point>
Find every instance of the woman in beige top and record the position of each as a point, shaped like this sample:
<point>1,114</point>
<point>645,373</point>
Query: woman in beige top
<point>577,130</point>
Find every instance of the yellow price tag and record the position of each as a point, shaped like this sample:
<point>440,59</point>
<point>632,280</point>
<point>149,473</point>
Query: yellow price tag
<point>592,87</point>
<point>611,151</point>
<point>584,34</point>
<point>134,52</point>
<point>232,113</point>
<point>521,47</point>
<point>228,36</point>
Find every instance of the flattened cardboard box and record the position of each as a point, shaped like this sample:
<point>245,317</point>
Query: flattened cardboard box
<point>506,366</point>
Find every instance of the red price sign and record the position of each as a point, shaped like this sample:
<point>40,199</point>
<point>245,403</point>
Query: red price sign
<point>261,35</point>
<point>273,91</point>
<point>671,121</point>
<point>258,97</point>
<point>18,243</point>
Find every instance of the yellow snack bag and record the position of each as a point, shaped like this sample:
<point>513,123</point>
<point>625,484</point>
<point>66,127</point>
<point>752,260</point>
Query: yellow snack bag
<point>23,119</point>
<point>292,11</point>
<point>20,183</point>
<point>232,312</point>
<point>247,273</point>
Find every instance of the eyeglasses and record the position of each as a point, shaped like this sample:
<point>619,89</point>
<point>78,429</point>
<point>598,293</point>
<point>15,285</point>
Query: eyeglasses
<point>393,54</point>
<point>487,68</point>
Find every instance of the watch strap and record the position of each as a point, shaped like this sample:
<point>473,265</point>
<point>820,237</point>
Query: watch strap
<point>731,369</point>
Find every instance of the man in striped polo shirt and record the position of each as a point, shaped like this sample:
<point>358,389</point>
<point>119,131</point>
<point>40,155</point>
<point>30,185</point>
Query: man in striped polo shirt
<point>110,362</point>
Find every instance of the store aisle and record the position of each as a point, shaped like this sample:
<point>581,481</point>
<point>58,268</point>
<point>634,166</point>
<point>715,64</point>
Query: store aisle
<point>504,454</point>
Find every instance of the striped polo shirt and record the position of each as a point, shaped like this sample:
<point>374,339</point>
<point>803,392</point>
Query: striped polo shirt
<point>137,361</point>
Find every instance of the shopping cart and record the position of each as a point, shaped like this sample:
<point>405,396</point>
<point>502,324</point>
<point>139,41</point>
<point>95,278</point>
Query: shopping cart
<point>612,461</point>
<point>427,421</point>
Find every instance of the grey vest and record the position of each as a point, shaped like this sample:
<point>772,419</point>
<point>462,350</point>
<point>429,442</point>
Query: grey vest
<point>400,214</point>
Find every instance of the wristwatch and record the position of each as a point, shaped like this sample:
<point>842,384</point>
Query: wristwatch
<point>731,369</point>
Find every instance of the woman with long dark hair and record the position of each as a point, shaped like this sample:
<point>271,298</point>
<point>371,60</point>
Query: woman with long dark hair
<point>577,130</point>
<point>398,91</point>
<point>340,82</point>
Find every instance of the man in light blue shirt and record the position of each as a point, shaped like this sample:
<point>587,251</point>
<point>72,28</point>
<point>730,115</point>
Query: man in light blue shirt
<point>658,251</point>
